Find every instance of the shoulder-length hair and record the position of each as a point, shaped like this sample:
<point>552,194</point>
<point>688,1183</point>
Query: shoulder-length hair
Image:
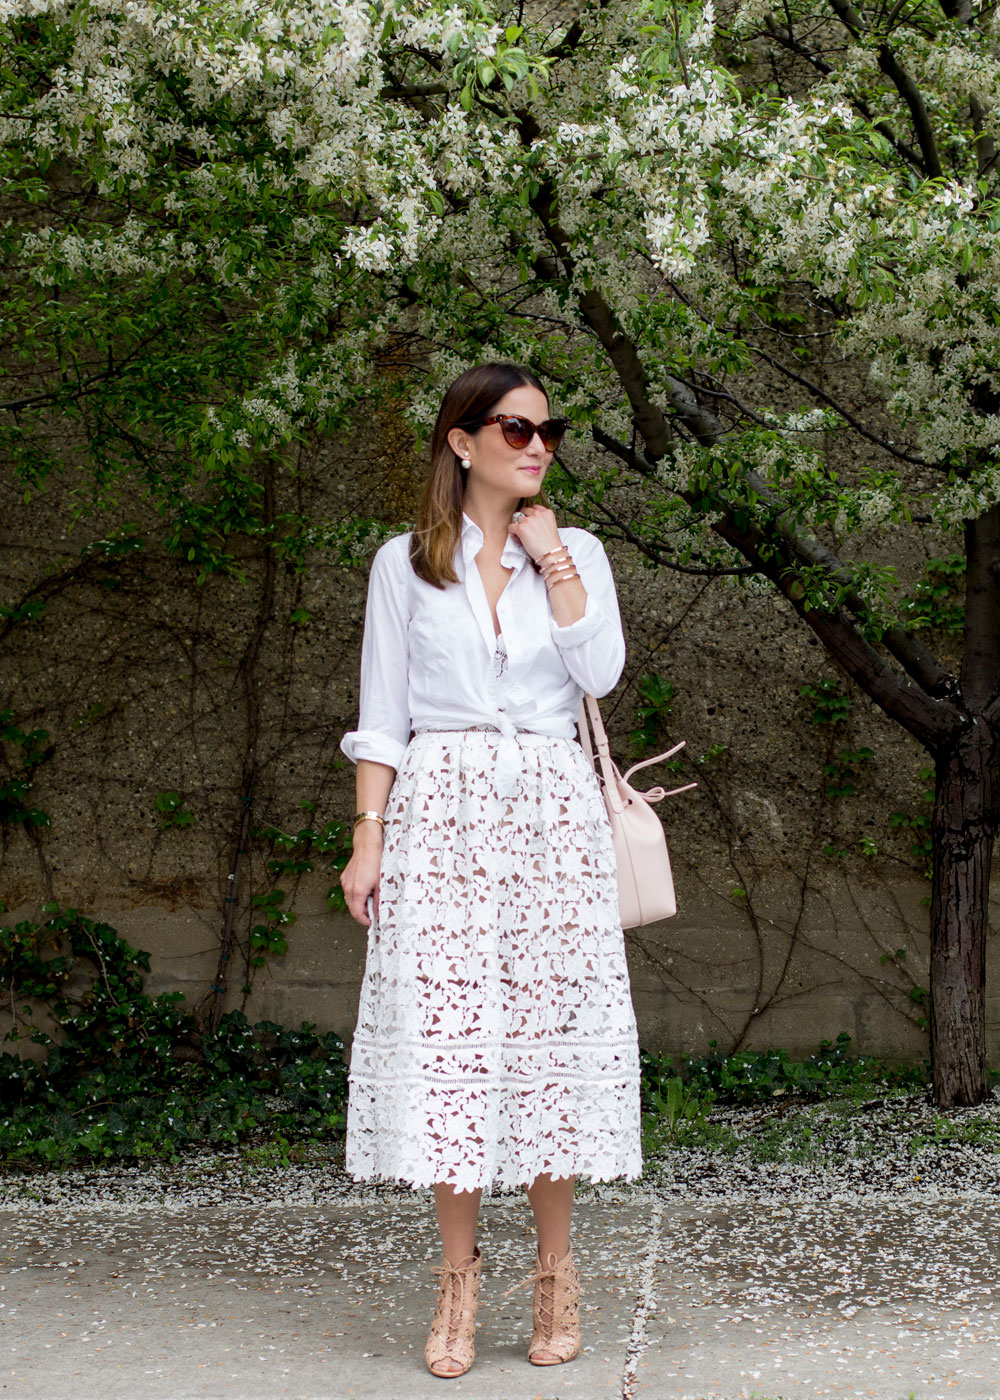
<point>439,515</point>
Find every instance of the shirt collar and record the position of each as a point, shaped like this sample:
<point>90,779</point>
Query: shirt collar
<point>514,554</point>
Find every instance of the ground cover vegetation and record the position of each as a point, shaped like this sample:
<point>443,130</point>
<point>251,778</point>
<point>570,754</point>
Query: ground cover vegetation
<point>755,255</point>
<point>117,1073</point>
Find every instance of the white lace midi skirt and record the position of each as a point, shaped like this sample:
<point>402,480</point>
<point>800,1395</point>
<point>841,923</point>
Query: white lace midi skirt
<point>496,1038</point>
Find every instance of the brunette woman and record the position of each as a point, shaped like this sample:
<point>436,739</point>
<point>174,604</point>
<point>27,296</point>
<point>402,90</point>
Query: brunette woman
<point>496,1042</point>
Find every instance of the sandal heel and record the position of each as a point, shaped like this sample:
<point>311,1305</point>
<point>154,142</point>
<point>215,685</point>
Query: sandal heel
<point>556,1315</point>
<point>452,1340</point>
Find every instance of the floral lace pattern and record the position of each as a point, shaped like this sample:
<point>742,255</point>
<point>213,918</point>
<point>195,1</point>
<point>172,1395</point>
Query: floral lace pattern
<point>496,1038</point>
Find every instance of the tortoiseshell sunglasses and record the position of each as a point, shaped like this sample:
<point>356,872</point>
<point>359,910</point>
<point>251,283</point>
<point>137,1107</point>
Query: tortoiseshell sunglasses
<point>518,430</point>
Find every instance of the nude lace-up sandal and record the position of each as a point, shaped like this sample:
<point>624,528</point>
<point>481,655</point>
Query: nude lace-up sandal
<point>556,1317</point>
<point>452,1340</point>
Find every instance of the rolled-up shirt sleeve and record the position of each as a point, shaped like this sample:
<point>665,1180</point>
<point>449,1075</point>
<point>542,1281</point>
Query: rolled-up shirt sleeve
<point>593,647</point>
<point>384,720</point>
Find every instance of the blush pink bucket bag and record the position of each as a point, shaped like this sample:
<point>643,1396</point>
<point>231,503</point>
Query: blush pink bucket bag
<point>645,880</point>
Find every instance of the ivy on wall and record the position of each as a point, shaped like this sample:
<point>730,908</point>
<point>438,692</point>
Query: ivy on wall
<point>118,1073</point>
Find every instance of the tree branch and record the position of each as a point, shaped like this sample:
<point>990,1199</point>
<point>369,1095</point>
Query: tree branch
<point>904,85</point>
<point>787,40</point>
<point>837,407</point>
<point>644,546</point>
<point>931,722</point>
<point>986,146</point>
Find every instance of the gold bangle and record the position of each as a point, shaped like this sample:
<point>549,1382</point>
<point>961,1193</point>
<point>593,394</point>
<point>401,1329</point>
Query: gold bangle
<point>565,579</point>
<point>370,816</point>
<point>553,550</point>
<point>555,568</point>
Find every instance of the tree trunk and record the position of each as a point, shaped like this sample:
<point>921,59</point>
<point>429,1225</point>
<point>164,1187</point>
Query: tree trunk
<point>964,830</point>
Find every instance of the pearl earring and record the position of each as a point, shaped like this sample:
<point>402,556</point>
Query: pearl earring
<point>465,463</point>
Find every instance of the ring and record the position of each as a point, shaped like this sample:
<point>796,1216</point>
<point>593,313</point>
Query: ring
<point>518,515</point>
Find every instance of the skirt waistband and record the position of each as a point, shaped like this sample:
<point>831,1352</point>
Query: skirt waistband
<point>456,728</point>
<point>511,750</point>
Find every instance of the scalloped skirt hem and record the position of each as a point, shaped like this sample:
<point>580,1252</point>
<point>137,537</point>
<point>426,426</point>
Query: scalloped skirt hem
<point>497,1185</point>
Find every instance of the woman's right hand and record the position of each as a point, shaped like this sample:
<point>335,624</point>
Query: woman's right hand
<point>360,876</point>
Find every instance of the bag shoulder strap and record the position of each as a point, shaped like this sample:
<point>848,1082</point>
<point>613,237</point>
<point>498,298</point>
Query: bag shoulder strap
<point>589,708</point>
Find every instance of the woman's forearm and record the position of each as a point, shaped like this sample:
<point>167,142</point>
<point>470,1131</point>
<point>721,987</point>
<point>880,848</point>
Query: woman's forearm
<point>372,784</point>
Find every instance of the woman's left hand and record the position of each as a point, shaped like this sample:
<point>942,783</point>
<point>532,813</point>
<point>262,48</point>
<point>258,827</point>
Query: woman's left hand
<point>538,531</point>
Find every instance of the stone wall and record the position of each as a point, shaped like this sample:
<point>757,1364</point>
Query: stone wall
<point>147,682</point>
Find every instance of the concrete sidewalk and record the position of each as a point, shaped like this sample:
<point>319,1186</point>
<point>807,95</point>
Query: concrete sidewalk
<point>726,1298</point>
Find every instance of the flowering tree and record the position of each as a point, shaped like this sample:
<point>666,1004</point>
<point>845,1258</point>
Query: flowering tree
<point>756,259</point>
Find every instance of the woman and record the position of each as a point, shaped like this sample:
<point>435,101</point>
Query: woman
<point>496,1040</point>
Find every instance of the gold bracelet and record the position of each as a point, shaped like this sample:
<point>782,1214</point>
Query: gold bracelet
<point>556,568</point>
<point>553,550</point>
<point>565,579</point>
<point>370,816</point>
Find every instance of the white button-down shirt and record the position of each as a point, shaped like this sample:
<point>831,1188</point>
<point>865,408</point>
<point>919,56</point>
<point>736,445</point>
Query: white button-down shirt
<point>427,653</point>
